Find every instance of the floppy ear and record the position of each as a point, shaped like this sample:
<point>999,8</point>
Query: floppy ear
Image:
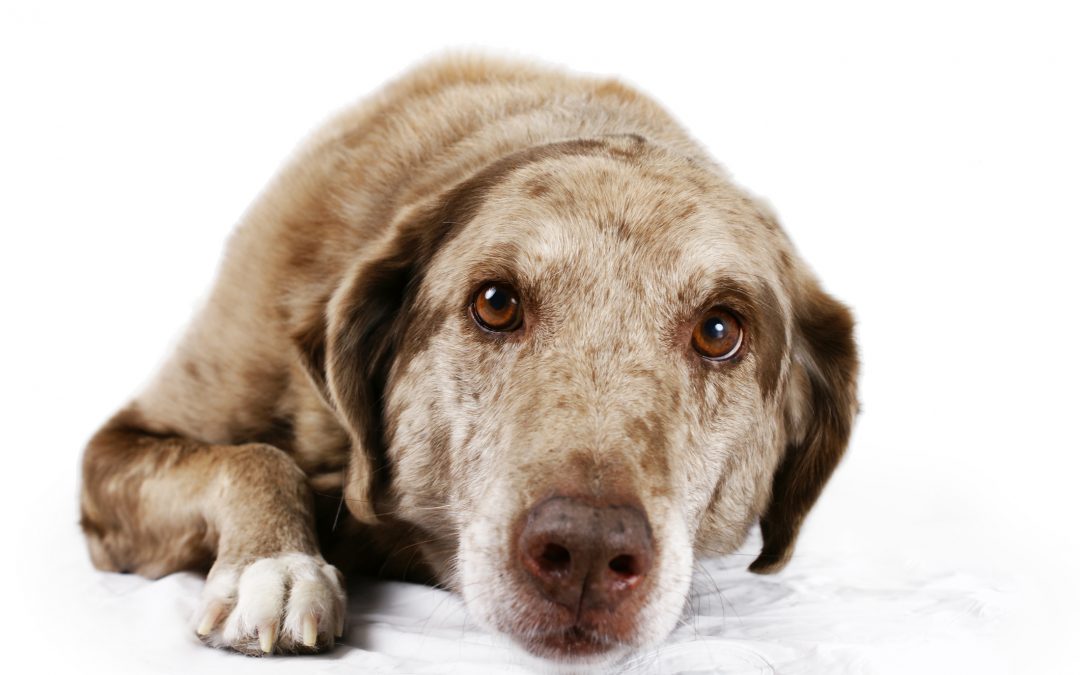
<point>821,407</point>
<point>348,346</point>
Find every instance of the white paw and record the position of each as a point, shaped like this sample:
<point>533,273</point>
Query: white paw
<point>290,603</point>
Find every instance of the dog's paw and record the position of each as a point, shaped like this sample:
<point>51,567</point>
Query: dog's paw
<point>288,604</point>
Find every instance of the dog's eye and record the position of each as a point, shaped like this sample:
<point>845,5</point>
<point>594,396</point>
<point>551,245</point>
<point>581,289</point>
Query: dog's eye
<point>496,307</point>
<point>719,335</point>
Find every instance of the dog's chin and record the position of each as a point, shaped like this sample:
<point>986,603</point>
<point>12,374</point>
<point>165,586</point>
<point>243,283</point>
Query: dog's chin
<point>574,646</point>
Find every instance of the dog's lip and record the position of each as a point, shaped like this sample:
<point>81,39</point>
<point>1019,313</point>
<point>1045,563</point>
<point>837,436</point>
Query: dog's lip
<point>574,642</point>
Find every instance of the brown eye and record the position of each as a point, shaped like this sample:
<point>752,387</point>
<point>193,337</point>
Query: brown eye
<point>719,335</point>
<point>496,307</point>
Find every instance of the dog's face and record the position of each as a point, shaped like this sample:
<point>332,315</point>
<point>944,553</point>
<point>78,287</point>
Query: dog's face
<point>594,361</point>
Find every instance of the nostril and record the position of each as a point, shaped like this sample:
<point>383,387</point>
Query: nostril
<point>625,566</point>
<point>554,559</point>
<point>583,555</point>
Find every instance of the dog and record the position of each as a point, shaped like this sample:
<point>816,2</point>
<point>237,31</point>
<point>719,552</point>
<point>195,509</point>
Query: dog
<point>527,332</point>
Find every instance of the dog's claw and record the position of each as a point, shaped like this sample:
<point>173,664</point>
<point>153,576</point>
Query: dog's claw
<point>311,630</point>
<point>267,637</point>
<point>210,618</point>
<point>272,605</point>
<point>340,625</point>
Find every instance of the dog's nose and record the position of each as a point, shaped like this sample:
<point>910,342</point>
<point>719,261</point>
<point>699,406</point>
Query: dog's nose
<point>586,556</point>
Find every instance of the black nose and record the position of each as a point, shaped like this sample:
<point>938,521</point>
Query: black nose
<point>587,556</point>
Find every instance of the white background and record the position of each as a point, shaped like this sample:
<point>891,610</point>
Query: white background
<point>923,158</point>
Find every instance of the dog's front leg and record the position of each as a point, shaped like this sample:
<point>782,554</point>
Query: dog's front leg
<point>154,503</point>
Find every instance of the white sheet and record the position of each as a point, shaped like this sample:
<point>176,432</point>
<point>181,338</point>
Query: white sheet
<point>821,615</point>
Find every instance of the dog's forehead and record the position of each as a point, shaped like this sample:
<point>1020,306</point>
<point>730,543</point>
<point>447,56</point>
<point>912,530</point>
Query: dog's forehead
<point>601,217</point>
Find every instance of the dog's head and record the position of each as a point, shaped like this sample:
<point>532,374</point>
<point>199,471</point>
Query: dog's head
<point>578,368</point>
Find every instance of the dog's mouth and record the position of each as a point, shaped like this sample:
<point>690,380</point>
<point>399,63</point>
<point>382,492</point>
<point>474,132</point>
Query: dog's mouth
<point>573,643</point>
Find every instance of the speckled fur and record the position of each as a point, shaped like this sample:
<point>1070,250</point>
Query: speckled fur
<point>336,355</point>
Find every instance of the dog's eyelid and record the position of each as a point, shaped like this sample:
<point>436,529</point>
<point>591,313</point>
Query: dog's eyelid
<point>746,297</point>
<point>742,307</point>
<point>495,269</point>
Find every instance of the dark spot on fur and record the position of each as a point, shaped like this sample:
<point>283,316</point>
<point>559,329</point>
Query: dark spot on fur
<point>278,432</point>
<point>439,457</point>
<point>650,435</point>
<point>631,147</point>
<point>538,186</point>
<point>470,434</point>
<point>616,90</point>
<point>192,370</point>
<point>616,226</point>
<point>687,212</point>
<point>785,261</point>
<point>768,341</point>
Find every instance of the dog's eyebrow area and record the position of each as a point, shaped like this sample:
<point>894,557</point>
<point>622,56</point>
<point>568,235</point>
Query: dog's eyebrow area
<point>749,297</point>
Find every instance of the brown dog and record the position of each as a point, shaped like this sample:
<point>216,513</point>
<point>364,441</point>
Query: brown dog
<point>531,335</point>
